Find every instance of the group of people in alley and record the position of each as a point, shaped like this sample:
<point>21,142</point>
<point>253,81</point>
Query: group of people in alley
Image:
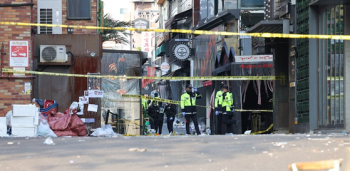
<point>224,110</point>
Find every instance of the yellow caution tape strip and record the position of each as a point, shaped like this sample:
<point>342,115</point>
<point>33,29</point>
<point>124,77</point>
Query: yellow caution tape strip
<point>260,132</point>
<point>237,78</point>
<point>178,103</point>
<point>197,32</point>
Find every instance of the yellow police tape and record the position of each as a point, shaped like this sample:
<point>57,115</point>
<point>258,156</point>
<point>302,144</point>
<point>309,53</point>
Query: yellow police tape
<point>178,103</point>
<point>197,32</point>
<point>282,78</point>
<point>260,132</point>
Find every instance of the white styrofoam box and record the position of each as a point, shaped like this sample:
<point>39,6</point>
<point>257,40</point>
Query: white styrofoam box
<point>3,127</point>
<point>36,119</point>
<point>88,120</point>
<point>24,131</point>
<point>23,121</point>
<point>24,110</point>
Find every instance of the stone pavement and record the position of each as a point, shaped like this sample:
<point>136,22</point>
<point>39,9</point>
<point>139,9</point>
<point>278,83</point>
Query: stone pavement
<point>175,153</point>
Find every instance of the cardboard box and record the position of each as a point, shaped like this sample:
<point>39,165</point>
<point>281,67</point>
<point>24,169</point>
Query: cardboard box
<point>25,110</point>
<point>23,121</point>
<point>24,131</point>
<point>3,127</point>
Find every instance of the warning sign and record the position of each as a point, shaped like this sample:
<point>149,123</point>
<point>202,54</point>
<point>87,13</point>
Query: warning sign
<point>19,53</point>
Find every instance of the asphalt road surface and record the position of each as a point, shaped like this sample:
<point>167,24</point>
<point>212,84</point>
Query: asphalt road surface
<point>175,153</point>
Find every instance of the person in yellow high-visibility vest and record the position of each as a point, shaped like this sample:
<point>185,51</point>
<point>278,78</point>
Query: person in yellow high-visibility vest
<point>145,104</point>
<point>228,110</point>
<point>218,108</point>
<point>144,112</point>
<point>188,107</point>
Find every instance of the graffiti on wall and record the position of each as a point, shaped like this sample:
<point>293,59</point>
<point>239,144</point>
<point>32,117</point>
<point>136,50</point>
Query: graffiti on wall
<point>205,56</point>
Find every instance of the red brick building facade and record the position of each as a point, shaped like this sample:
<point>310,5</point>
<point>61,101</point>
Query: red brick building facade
<point>12,88</point>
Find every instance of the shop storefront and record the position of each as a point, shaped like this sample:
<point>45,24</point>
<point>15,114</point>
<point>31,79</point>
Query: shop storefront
<point>331,58</point>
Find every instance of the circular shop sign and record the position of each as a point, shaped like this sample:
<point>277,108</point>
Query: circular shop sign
<point>181,51</point>
<point>165,67</point>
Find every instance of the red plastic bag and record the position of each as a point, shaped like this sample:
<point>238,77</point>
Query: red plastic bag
<point>65,133</point>
<point>59,121</point>
<point>77,126</point>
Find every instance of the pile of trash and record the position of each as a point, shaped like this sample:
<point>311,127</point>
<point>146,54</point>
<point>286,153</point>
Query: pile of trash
<point>51,122</point>
<point>104,131</point>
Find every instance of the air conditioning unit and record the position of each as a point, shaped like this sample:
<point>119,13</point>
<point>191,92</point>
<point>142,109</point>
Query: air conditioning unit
<point>53,53</point>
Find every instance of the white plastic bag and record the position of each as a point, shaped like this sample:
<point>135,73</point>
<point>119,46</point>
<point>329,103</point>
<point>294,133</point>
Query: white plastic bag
<point>105,131</point>
<point>8,118</point>
<point>44,129</point>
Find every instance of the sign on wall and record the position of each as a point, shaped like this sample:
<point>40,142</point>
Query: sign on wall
<point>19,53</point>
<point>254,58</point>
<point>94,83</point>
<point>146,42</point>
<point>141,23</point>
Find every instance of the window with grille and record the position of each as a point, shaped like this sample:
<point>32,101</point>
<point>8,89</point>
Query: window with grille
<point>45,18</point>
<point>79,9</point>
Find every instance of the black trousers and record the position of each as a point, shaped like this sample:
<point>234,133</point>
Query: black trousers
<point>170,124</point>
<point>219,123</point>
<point>228,121</point>
<point>159,125</point>
<point>152,123</point>
<point>195,122</point>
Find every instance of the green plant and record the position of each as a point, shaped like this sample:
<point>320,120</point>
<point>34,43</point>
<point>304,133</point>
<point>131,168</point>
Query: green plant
<point>120,37</point>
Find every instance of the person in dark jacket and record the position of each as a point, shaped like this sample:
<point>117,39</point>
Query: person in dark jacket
<point>153,112</point>
<point>159,119</point>
<point>170,112</point>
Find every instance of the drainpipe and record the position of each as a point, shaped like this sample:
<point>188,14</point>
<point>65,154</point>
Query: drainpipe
<point>2,58</point>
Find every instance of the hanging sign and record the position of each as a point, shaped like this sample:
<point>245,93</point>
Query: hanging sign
<point>165,67</point>
<point>181,51</point>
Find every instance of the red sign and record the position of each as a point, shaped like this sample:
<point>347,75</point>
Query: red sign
<point>146,42</point>
<point>207,83</point>
<point>256,66</point>
<point>151,71</point>
<point>19,53</point>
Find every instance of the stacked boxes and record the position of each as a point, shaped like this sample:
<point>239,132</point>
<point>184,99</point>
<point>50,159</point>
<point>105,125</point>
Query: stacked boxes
<point>25,120</point>
<point>3,127</point>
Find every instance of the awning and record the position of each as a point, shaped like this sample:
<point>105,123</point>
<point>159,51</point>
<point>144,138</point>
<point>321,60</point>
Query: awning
<point>222,17</point>
<point>160,51</point>
<point>272,26</point>
<point>175,73</point>
<point>177,17</point>
<point>169,74</point>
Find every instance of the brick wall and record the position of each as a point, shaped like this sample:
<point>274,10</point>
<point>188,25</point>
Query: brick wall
<point>11,89</point>
<point>92,22</point>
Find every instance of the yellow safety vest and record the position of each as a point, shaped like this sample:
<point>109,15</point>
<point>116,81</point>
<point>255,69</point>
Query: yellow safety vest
<point>188,103</point>
<point>218,98</point>
<point>144,104</point>
<point>228,101</point>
